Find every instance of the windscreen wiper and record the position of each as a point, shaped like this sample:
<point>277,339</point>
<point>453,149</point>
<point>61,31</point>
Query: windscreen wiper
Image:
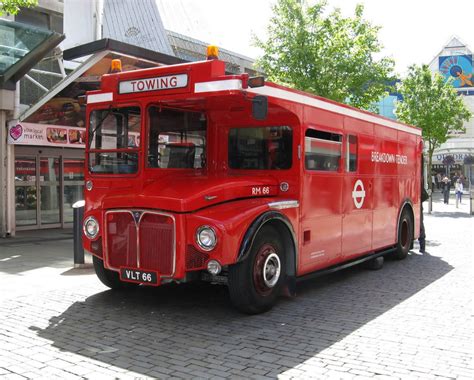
<point>99,124</point>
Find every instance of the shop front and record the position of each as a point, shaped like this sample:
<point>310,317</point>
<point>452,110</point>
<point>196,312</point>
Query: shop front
<point>47,183</point>
<point>48,165</point>
<point>453,165</point>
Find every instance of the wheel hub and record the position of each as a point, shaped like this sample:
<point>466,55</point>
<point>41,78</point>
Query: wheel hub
<point>271,270</point>
<point>266,269</point>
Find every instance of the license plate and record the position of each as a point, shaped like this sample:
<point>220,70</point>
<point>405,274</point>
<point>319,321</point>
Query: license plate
<point>139,276</point>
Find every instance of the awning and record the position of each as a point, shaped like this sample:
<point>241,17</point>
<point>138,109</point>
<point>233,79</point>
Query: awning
<point>22,47</point>
<point>95,60</point>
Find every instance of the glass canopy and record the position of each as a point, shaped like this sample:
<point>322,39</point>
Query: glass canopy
<point>60,105</point>
<point>21,47</point>
<point>63,107</point>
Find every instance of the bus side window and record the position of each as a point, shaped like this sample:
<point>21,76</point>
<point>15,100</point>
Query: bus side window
<point>322,150</point>
<point>351,153</point>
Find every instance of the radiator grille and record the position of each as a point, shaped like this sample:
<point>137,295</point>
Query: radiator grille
<point>195,259</point>
<point>156,243</point>
<point>121,240</point>
<point>145,241</point>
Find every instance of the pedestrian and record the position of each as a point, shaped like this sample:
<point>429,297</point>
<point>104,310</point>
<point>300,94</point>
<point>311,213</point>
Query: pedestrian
<point>422,238</point>
<point>458,189</point>
<point>446,189</point>
<point>454,178</point>
<point>439,178</point>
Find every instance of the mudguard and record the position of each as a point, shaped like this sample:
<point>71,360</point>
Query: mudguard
<point>289,244</point>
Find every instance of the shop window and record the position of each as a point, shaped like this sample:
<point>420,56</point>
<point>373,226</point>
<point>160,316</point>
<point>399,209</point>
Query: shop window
<point>34,18</point>
<point>56,23</point>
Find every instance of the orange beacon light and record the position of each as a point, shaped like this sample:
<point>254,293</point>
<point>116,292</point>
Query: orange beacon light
<point>212,52</point>
<point>116,66</point>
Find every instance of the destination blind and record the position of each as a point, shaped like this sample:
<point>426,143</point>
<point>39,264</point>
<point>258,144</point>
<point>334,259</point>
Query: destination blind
<point>153,84</point>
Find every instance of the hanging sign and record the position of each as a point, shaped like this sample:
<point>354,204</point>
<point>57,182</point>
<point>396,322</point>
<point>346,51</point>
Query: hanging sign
<point>20,133</point>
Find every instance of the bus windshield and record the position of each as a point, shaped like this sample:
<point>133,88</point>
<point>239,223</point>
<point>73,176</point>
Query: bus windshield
<point>114,139</point>
<point>176,139</point>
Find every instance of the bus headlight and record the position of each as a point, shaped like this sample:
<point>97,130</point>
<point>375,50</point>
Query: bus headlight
<point>206,238</point>
<point>91,227</point>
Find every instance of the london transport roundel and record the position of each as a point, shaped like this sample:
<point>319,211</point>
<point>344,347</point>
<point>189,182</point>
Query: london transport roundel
<point>358,194</point>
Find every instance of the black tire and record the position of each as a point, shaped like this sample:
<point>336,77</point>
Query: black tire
<point>250,290</point>
<point>405,236</point>
<point>375,264</point>
<point>109,278</point>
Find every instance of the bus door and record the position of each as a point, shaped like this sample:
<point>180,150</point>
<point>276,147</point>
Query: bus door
<point>357,198</point>
<point>321,213</point>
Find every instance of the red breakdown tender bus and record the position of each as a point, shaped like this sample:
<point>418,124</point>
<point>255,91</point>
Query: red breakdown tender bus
<point>193,174</point>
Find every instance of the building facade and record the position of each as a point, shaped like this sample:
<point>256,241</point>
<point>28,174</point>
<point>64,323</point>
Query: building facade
<point>455,62</point>
<point>28,41</point>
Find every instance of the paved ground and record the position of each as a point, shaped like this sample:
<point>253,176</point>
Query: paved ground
<point>412,319</point>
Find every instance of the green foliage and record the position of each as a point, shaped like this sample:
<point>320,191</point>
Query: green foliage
<point>13,6</point>
<point>433,105</point>
<point>325,53</point>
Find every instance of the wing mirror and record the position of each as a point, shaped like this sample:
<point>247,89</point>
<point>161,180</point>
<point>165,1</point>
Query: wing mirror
<point>260,107</point>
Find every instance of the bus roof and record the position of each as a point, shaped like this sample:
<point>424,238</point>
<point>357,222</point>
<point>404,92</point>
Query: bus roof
<point>208,78</point>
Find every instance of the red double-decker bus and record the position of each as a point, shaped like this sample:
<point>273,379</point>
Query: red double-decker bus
<point>193,174</point>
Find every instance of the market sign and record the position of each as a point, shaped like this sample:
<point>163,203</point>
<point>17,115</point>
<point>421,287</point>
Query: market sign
<point>168,82</point>
<point>46,135</point>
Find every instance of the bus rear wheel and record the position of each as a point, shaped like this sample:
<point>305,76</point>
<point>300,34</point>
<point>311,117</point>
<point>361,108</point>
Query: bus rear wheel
<point>256,283</point>
<point>405,236</point>
<point>108,277</point>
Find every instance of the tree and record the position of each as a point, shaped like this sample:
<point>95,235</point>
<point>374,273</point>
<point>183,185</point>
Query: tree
<point>448,161</point>
<point>431,103</point>
<point>327,55</point>
<point>13,6</point>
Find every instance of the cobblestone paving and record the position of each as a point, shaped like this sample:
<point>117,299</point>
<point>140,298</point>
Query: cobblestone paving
<point>410,320</point>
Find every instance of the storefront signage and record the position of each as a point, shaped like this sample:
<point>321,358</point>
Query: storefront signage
<point>46,135</point>
<point>153,84</point>
<point>458,157</point>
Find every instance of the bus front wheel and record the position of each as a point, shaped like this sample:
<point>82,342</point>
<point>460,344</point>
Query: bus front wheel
<point>108,277</point>
<point>256,282</point>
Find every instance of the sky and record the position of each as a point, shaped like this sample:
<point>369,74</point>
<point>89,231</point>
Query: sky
<point>413,31</point>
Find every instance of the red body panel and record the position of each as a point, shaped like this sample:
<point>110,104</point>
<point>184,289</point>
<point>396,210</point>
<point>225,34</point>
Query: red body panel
<point>332,222</point>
